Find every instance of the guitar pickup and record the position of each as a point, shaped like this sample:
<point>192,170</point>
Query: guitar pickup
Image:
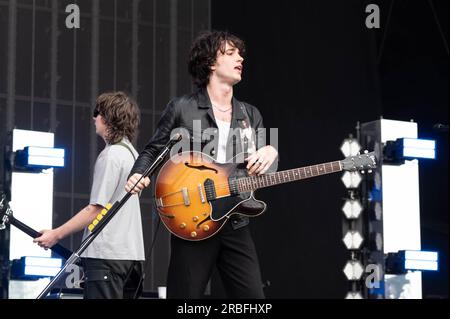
<point>202,196</point>
<point>186,199</point>
<point>210,190</point>
<point>233,186</point>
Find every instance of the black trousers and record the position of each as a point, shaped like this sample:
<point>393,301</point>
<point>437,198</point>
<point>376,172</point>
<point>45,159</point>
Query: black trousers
<point>112,279</point>
<point>232,251</point>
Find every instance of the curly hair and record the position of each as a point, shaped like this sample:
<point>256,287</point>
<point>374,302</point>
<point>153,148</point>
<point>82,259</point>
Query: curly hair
<point>203,54</point>
<point>121,115</point>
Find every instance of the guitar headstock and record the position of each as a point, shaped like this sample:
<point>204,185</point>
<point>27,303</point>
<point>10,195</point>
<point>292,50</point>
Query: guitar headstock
<point>5,211</point>
<point>366,161</point>
<point>3,203</point>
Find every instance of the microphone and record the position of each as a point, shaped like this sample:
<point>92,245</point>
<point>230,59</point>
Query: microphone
<point>174,139</point>
<point>440,127</point>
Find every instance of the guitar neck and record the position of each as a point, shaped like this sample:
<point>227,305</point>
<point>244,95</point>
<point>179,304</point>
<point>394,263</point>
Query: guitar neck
<point>60,250</point>
<point>252,183</point>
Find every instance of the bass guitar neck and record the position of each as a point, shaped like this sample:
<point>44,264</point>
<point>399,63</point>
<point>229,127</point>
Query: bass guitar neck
<point>8,218</point>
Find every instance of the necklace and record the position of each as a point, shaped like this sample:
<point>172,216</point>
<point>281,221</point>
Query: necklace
<point>221,109</point>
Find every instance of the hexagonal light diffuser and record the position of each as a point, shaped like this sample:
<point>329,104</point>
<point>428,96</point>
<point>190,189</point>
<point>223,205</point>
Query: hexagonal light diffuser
<point>350,147</point>
<point>354,295</point>
<point>353,240</point>
<point>352,208</point>
<point>351,179</point>
<point>353,270</point>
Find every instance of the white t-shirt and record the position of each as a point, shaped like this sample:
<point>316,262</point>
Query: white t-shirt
<point>122,238</point>
<point>224,130</point>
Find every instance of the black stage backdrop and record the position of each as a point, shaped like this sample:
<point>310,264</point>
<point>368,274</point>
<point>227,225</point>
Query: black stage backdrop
<point>50,76</point>
<point>312,68</point>
<point>315,70</point>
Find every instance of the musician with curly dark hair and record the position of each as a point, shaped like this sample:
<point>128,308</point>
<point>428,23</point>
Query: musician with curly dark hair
<point>115,258</point>
<point>216,64</point>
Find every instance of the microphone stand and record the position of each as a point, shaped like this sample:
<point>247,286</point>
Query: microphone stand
<point>110,214</point>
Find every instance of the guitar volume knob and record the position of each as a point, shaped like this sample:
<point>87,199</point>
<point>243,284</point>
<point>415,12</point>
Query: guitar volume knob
<point>183,225</point>
<point>205,228</point>
<point>194,234</point>
<point>195,219</point>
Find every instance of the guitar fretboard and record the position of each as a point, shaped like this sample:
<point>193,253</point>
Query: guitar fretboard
<point>247,184</point>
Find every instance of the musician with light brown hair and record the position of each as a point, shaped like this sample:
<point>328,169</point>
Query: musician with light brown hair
<point>113,262</point>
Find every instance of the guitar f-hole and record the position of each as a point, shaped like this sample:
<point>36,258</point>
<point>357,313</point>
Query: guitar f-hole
<point>201,167</point>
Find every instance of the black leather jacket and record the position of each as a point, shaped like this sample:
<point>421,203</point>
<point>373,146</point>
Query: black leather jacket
<point>191,111</point>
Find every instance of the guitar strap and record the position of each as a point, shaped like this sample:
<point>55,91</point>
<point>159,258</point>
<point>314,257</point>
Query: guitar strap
<point>127,147</point>
<point>248,137</point>
<point>246,123</point>
<point>130,284</point>
<point>132,154</point>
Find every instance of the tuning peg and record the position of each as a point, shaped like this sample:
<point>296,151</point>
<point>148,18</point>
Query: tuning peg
<point>363,172</point>
<point>369,171</point>
<point>366,152</point>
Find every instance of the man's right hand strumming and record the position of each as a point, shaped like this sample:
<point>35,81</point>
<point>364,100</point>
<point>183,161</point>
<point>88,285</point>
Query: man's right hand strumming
<point>143,183</point>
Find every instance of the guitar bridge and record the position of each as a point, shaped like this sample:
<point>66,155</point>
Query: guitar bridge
<point>159,202</point>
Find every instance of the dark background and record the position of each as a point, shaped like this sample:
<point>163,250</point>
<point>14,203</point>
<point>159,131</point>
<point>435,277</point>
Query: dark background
<point>315,70</point>
<point>312,68</point>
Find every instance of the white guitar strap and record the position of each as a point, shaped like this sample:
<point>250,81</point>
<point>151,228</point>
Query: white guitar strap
<point>248,136</point>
